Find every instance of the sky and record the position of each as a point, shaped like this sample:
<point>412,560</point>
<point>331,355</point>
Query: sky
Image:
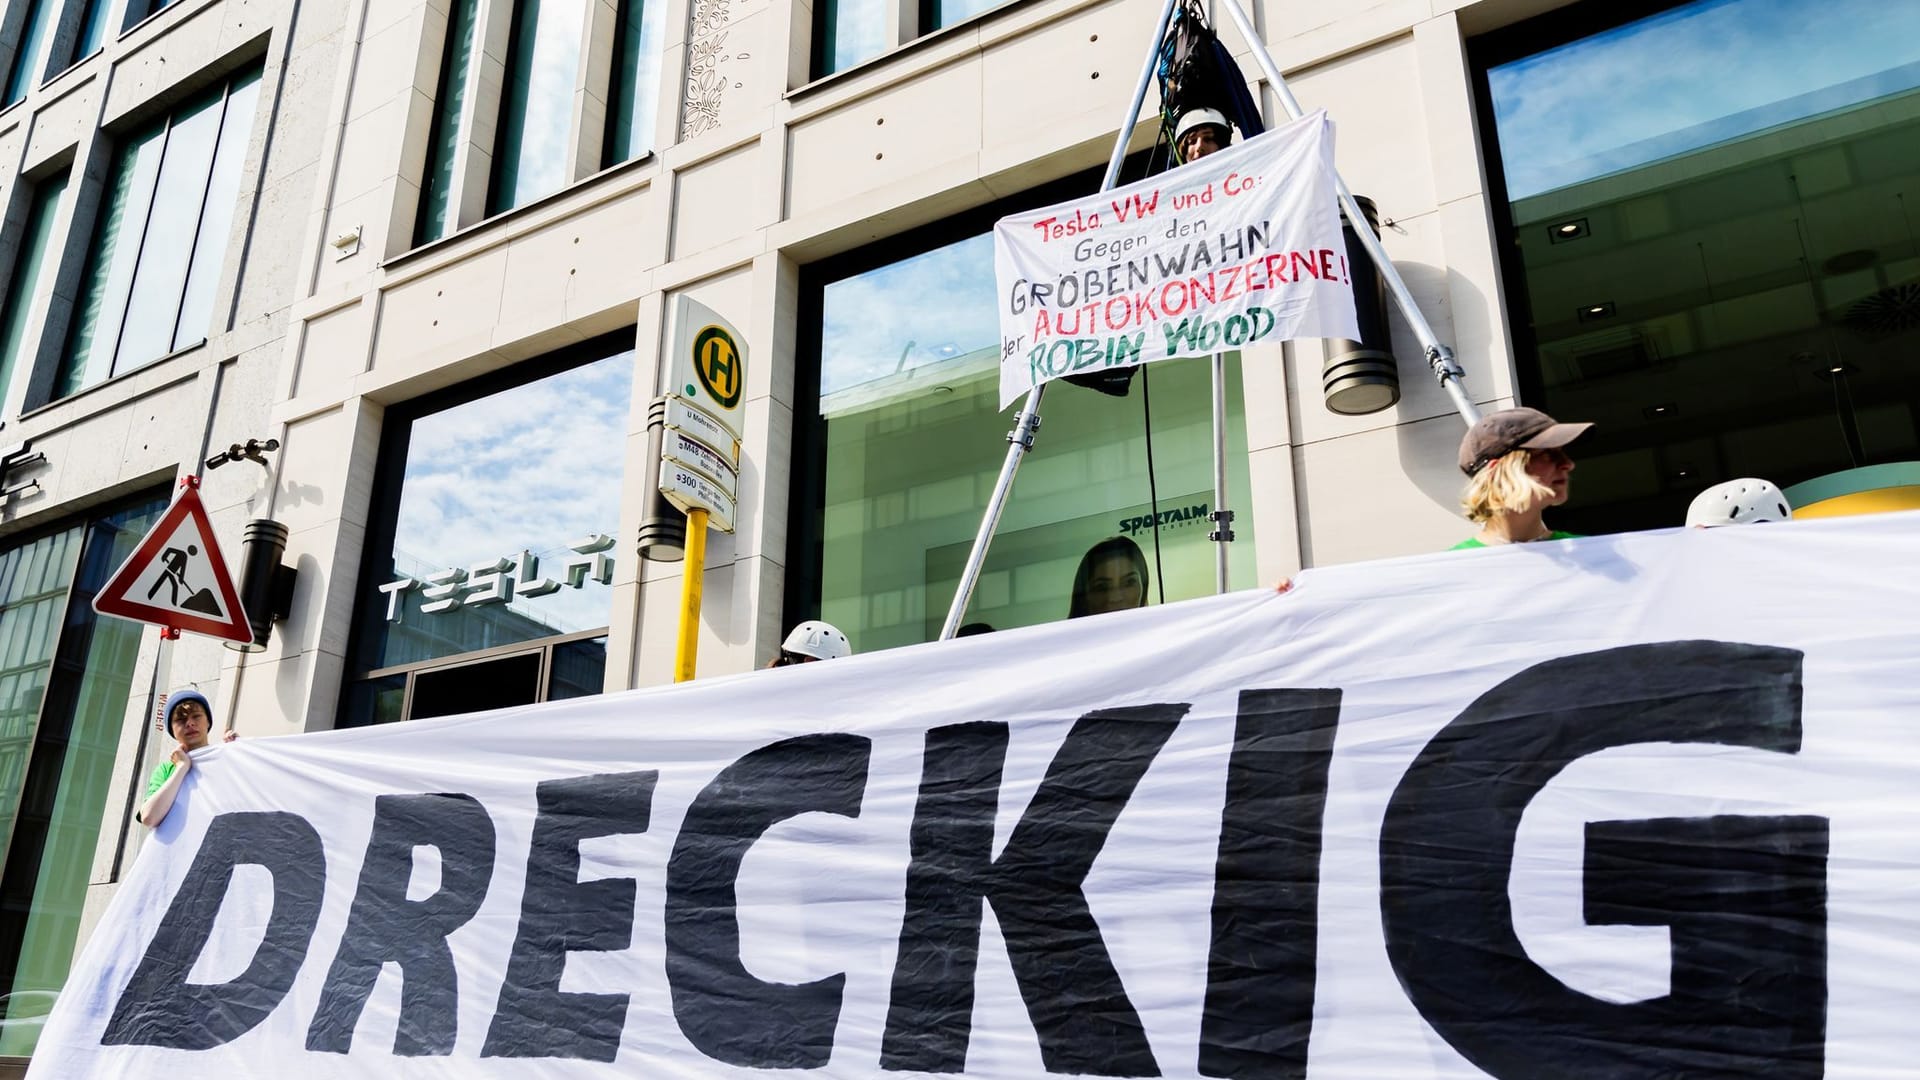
<point>553,67</point>
<point>940,303</point>
<point>1689,78</point>
<point>536,467</point>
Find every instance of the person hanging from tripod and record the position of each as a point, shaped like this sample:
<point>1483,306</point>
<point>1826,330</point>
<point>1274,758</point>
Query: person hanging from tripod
<point>1201,130</point>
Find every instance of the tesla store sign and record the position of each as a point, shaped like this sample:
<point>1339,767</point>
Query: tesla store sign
<point>506,578</point>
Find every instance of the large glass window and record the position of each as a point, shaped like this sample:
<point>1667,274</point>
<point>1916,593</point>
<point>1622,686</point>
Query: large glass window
<point>443,140</point>
<point>1715,223</point>
<point>536,107</point>
<point>849,32</point>
<point>93,28</point>
<point>65,677</point>
<point>907,440</point>
<point>30,58</point>
<point>636,81</point>
<point>162,232</point>
<point>488,579</point>
<point>32,272</point>
<point>141,9</point>
<point>532,150</point>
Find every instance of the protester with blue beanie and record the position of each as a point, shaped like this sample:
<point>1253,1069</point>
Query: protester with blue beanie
<point>189,721</point>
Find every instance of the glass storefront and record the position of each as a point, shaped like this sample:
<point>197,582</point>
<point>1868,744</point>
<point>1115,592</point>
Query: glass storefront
<point>907,439</point>
<point>489,573</point>
<point>1714,217</point>
<point>65,678</point>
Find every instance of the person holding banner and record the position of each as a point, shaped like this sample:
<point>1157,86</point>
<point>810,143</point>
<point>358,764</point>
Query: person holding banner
<point>189,719</point>
<point>1112,577</point>
<point>1517,466</point>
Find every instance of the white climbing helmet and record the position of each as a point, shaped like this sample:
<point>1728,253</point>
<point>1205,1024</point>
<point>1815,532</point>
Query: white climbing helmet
<point>1739,502</point>
<point>1193,118</point>
<point>822,641</point>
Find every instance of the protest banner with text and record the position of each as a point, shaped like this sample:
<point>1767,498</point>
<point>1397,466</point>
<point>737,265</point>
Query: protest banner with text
<point>1239,247</point>
<point>1624,806</point>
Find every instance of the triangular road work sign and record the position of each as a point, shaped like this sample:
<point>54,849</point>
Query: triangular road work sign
<point>177,577</point>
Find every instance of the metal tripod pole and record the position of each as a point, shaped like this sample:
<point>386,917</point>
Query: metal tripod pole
<point>1020,439</point>
<point>1222,518</point>
<point>1439,356</point>
<point>1222,533</point>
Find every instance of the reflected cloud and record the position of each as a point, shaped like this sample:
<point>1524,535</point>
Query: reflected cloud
<point>552,68</point>
<point>929,309</point>
<point>535,467</point>
<point>1694,77</point>
<point>859,30</point>
<point>646,76</point>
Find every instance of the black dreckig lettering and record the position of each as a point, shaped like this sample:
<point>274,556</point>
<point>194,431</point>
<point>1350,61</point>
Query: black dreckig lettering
<point>725,1011</point>
<point>1262,964</point>
<point>160,1007</point>
<point>1446,851</point>
<point>1074,997</point>
<point>383,926</point>
<point>560,914</point>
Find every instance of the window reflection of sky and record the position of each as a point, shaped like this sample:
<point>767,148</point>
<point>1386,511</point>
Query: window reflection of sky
<point>1694,77</point>
<point>921,311</point>
<point>645,91</point>
<point>552,65</point>
<point>536,467</point>
<point>859,31</point>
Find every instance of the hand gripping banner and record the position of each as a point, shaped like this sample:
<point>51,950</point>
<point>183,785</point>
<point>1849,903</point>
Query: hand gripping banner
<point>1625,806</point>
<point>1239,247</point>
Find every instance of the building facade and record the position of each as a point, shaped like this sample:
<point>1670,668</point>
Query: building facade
<point>430,247</point>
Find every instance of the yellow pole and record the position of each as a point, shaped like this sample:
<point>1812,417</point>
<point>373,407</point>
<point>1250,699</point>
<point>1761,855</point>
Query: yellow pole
<point>693,571</point>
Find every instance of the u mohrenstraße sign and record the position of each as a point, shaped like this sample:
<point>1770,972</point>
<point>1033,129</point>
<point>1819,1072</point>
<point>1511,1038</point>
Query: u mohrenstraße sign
<point>700,448</point>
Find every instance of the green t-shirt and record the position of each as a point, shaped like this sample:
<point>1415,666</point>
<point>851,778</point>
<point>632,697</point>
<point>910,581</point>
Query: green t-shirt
<point>1474,541</point>
<point>159,777</point>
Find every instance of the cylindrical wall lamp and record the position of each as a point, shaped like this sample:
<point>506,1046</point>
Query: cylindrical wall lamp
<point>1361,377</point>
<point>266,586</point>
<point>663,528</point>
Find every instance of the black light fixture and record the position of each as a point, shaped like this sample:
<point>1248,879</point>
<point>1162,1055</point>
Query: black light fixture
<point>1591,312</point>
<point>1562,231</point>
<point>266,585</point>
<point>663,528</point>
<point>1360,377</point>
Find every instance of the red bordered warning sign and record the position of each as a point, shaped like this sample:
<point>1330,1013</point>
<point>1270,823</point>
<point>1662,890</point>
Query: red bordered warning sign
<point>177,576</point>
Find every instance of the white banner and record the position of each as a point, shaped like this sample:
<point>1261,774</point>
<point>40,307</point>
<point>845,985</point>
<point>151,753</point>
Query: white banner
<point>1625,806</point>
<point>1241,246</point>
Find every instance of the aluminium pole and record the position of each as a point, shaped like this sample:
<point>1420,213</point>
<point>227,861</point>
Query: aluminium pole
<point>1222,532</point>
<point>1020,439</point>
<point>1439,356</point>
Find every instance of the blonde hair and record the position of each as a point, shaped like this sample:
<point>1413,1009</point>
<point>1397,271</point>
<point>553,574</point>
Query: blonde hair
<point>1503,487</point>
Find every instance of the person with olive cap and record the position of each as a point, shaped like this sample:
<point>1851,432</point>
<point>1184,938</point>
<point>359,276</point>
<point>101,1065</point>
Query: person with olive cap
<point>1517,466</point>
<point>189,720</point>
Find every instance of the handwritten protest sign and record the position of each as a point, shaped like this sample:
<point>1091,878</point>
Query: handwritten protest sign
<point>1240,247</point>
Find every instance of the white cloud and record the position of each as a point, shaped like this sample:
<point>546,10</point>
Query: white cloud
<point>932,307</point>
<point>536,467</point>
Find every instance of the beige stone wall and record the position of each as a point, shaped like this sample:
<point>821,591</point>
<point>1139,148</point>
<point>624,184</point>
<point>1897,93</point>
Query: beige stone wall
<point>761,171</point>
